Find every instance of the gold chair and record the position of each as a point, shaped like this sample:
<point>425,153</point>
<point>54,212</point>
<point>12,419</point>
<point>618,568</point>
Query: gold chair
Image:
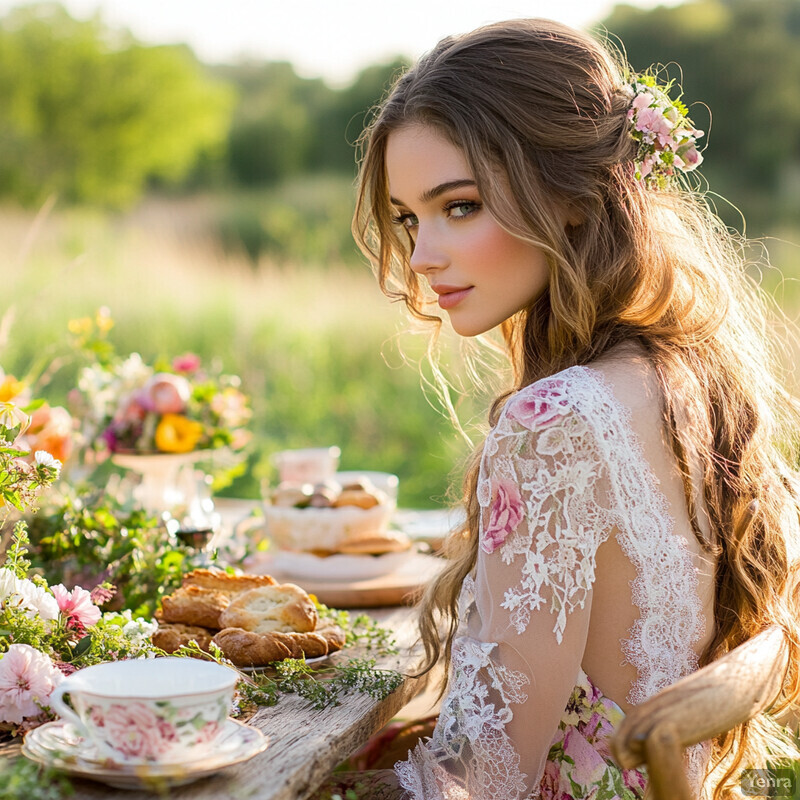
<point>699,707</point>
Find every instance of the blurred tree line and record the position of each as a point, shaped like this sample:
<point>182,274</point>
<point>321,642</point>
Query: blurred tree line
<point>94,115</point>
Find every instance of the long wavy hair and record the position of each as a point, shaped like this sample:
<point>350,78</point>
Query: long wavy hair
<point>539,112</point>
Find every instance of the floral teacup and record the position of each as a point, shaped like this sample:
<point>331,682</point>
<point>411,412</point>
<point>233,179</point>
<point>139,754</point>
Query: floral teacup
<point>159,710</point>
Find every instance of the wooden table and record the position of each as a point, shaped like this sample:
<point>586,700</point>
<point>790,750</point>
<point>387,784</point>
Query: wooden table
<point>305,744</point>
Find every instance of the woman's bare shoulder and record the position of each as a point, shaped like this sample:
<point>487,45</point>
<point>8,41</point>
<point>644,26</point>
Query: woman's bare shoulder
<point>632,377</point>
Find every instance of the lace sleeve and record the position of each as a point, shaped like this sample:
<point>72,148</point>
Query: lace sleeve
<point>543,491</point>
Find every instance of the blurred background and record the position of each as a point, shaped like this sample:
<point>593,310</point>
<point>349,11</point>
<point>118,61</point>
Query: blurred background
<point>190,166</point>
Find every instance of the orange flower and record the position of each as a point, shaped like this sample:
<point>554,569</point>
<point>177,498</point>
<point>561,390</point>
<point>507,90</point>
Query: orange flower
<point>50,430</point>
<point>178,434</point>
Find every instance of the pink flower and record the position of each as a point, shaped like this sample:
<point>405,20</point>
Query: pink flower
<point>653,121</point>
<point>102,594</point>
<point>642,101</point>
<point>692,156</point>
<point>134,730</point>
<point>208,732</point>
<point>506,513</point>
<point>589,766</point>
<point>647,165</point>
<point>535,409</point>
<point>187,363</point>
<point>168,732</point>
<point>134,409</point>
<point>633,779</point>
<point>27,679</point>
<point>167,393</point>
<point>77,607</point>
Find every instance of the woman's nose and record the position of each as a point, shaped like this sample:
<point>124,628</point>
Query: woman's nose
<point>428,253</point>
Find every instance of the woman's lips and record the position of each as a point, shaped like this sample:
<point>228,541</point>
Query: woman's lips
<point>450,297</point>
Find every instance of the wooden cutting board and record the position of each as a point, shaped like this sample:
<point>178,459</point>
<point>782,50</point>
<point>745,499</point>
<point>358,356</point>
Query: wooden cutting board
<point>398,588</point>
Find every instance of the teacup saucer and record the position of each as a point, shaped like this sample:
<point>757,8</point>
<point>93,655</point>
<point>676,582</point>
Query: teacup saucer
<point>57,744</point>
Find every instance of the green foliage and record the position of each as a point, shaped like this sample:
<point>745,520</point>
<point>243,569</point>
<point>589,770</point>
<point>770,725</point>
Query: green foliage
<point>284,124</point>
<point>24,780</point>
<point>94,538</point>
<point>91,114</point>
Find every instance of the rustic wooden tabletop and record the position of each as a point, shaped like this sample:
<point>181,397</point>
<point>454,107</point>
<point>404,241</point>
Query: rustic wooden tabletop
<point>305,744</point>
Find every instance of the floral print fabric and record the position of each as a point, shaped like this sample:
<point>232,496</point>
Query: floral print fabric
<point>579,764</point>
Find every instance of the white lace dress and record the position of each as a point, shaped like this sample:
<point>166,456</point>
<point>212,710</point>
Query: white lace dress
<point>561,472</point>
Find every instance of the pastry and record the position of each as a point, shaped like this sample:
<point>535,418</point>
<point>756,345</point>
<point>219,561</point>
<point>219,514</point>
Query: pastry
<point>283,608</point>
<point>291,495</point>
<point>356,497</point>
<point>375,543</point>
<point>250,649</point>
<point>323,497</point>
<point>230,585</point>
<point>171,635</point>
<point>194,605</point>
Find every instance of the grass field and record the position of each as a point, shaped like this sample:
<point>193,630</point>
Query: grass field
<point>317,345</point>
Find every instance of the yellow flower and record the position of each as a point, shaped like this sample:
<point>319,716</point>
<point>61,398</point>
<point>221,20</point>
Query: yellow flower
<point>80,327</point>
<point>178,434</point>
<point>10,387</point>
<point>103,320</point>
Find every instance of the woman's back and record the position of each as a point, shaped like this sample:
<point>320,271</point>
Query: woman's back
<point>634,384</point>
<point>588,567</point>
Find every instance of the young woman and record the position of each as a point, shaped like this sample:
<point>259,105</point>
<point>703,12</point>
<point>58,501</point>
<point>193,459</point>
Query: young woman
<point>519,178</point>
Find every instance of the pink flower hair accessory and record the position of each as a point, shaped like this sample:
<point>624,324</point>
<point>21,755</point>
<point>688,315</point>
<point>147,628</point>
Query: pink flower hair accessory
<point>666,136</point>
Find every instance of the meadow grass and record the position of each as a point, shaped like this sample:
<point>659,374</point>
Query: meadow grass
<point>316,346</point>
<point>319,349</point>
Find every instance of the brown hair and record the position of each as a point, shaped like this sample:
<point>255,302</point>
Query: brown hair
<point>539,111</point>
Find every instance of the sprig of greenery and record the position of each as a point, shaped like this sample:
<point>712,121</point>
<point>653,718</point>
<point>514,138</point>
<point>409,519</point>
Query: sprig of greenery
<point>15,558</point>
<point>359,630</point>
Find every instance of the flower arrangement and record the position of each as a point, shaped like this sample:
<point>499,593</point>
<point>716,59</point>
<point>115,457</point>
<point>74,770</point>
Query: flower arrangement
<point>667,137</point>
<point>129,406</point>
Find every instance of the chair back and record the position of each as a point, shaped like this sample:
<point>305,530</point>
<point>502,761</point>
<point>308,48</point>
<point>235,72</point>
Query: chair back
<point>699,707</point>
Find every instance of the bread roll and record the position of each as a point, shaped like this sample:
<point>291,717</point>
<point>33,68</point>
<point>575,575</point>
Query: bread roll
<point>194,605</point>
<point>172,635</point>
<point>230,585</point>
<point>375,543</point>
<point>250,649</point>
<point>356,497</point>
<point>283,608</point>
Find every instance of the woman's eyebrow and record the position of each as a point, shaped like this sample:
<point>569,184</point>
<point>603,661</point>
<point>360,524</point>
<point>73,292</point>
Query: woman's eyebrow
<point>440,189</point>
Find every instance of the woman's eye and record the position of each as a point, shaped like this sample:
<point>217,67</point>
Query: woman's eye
<point>461,208</point>
<point>406,220</point>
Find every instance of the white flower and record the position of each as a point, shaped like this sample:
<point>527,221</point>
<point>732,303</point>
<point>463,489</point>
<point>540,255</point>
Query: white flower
<point>44,459</point>
<point>139,629</point>
<point>36,600</point>
<point>9,583</point>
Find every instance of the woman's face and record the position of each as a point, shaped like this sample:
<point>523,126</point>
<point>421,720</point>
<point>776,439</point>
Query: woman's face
<point>482,274</point>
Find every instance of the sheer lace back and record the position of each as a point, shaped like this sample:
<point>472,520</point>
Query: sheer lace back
<point>561,471</point>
